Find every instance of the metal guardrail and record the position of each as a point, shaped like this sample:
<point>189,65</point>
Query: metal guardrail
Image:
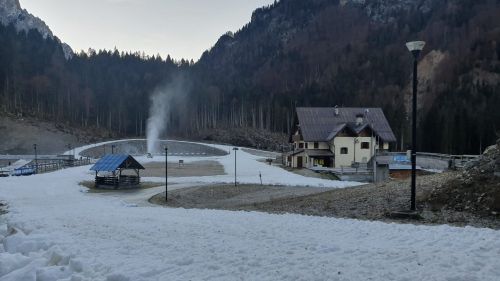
<point>455,161</point>
<point>343,170</point>
<point>39,157</point>
<point>430,154</point>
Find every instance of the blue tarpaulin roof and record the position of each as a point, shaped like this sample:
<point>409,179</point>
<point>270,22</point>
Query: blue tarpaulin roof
<point>112,162</point>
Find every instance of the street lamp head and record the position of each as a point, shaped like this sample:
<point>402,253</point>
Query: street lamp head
<point>235,148</point>
<point>415,47</point>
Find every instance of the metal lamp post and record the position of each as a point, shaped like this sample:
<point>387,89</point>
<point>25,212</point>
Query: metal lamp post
<point>235,149</point>
<point>166,174</point>
<point>36,159</point>
<point>415,47</point>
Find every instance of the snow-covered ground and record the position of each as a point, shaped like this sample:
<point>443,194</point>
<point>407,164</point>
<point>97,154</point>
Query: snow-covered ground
<point>59,232</point>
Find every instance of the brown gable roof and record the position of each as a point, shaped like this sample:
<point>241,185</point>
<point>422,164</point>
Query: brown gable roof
<point>321,123</point>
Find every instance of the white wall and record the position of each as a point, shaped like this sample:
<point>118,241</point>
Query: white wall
<point>310,145</point>
<point>362,155</point>
<point>354,150</point>
<point>321,145</point>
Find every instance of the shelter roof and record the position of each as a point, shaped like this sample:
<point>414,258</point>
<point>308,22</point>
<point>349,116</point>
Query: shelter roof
<point>113,162</point>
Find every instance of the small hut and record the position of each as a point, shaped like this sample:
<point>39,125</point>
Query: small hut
<point>109,171</point>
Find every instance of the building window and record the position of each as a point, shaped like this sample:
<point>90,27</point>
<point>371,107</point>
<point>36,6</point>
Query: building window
<point>316,145</point>
<point>301,145</point>
<point>365,145</point>
<point>344,150</point>
<point>307,145</point>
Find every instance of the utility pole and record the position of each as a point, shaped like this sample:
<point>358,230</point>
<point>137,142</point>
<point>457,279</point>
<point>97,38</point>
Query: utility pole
<point>235,149</point>
<point>373,150</point>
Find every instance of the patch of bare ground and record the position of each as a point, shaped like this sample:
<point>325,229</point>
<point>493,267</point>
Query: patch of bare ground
<point>230,197</point>
<point>143,185</point>
<point>377,201</point>
<point>367,202</point>
<point>191,169</point>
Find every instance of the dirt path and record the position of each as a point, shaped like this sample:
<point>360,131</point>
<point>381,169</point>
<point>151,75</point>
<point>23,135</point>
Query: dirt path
<point>229,197</point>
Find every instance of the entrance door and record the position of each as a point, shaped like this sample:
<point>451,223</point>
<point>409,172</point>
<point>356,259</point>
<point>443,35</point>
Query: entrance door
<point>299,161</point>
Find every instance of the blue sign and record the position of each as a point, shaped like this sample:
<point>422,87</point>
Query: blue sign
<point>400,158</point>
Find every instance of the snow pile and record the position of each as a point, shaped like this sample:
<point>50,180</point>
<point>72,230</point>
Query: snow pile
<point>476,189</point>
<point>53,231</point>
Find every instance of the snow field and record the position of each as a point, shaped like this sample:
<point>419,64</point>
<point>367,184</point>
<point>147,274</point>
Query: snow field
<point>248,168</point>
<point>54,231</point>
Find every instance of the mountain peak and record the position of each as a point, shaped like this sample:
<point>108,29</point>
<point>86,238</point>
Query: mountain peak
<point>10,4</point>
<point>12,13</point>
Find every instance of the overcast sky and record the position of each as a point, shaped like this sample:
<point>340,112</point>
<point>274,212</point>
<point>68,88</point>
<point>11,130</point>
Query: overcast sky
<point>181,28</point>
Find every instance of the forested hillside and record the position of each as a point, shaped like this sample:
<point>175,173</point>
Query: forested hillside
<point>326,53</point>
<point>104,89</point>
<point>292,53</point>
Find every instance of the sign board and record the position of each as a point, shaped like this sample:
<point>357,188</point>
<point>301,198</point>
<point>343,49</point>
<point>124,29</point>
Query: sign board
<point>401,158</point>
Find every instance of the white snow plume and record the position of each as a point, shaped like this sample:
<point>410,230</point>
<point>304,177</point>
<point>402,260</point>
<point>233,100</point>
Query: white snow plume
<point>161,102</point>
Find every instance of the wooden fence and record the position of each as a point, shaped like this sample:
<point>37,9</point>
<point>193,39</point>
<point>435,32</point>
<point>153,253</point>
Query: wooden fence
<point>116,181</point>
<point>55,165</point>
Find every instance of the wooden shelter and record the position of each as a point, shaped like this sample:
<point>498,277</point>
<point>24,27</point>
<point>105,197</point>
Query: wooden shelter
<point>109,171</point>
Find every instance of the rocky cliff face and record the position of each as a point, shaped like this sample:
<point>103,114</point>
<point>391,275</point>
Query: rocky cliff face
<point>12,13</point>
<point>389,10</point>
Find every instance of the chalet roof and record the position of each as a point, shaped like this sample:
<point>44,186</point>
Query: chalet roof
<point>321,123</point>
<point>113,162</point>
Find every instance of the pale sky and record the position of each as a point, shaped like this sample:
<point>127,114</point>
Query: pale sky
<point>181,28</point>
